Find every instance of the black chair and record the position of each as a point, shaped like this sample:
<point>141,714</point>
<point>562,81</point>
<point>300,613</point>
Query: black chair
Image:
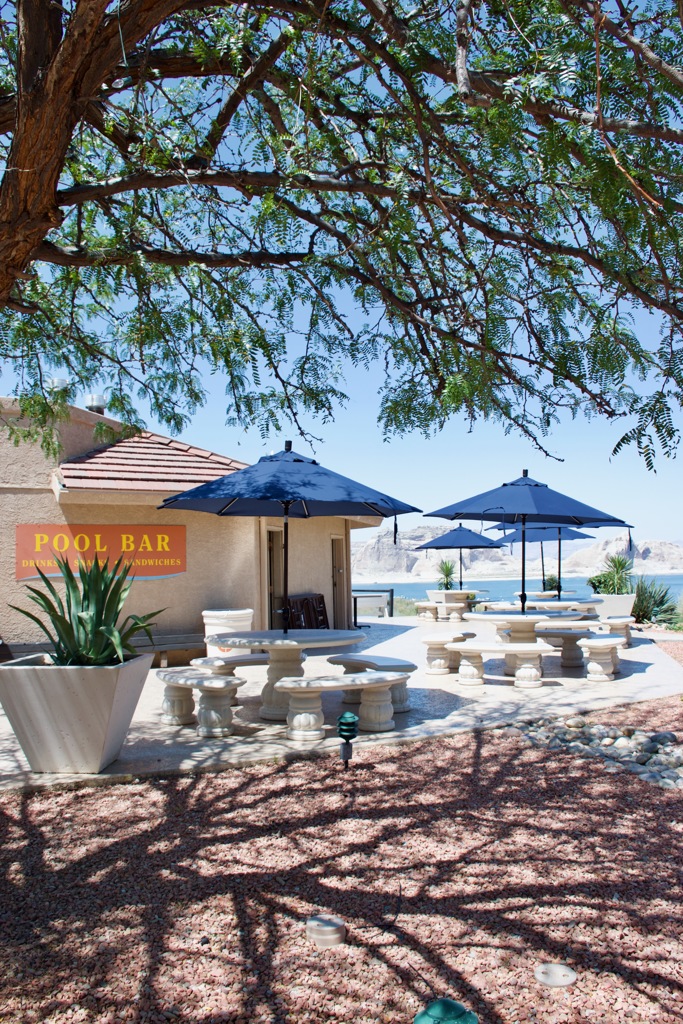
<point>307,611</point>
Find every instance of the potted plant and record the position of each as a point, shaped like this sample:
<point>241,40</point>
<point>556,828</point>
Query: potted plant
<point>551,583</point>
<point>614,585</point>
<point>446,575</point>
<point>71,709</point>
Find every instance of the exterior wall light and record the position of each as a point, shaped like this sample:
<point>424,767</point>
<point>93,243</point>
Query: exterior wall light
<point>443,1011</point>
<point>347,728</point>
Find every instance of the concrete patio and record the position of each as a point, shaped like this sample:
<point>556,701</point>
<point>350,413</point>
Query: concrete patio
<point>439,706</point>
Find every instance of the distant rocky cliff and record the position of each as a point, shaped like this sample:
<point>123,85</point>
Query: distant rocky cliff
<point>650,557</point>
<point>378,559</point>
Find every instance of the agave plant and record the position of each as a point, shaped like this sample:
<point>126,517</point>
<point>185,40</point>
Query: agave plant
<point>654,603</point>
<point>85,622</point>
<point>446,577</point>
<point>615,577</point>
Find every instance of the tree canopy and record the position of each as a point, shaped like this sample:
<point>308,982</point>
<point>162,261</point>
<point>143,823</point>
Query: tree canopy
<point>476,195</point>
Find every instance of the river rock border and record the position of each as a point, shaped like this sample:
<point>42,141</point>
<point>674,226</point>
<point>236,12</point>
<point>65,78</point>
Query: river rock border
<point>656,757</point>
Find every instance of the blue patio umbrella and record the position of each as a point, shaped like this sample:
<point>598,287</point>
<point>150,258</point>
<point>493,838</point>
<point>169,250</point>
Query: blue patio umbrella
<point>541,534</point>
<point>522,502</point>
<point>292,486</point>
<point>460,539</point>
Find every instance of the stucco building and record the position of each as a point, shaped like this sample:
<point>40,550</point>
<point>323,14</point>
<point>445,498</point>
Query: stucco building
<point>103,499</point>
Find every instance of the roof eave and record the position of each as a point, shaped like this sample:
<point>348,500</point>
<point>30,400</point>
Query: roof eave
<point>111,496</point>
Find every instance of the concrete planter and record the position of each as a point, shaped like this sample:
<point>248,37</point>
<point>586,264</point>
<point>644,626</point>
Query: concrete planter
<point>71,719</point>
<point>614,604</point>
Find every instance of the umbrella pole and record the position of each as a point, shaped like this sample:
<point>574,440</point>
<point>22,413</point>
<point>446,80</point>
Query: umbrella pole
<point>522,596</point>
<point>559,562</point>
<point>285,569</point>
<point>461,568</point>
<point>542,568</point>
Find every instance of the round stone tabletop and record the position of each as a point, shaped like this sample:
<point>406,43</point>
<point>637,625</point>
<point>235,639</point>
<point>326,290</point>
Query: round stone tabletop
<point>270,639</point>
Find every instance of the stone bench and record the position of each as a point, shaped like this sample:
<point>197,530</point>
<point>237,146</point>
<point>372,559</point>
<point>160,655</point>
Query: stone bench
<point>571,654</point>
<point>443,659</point>
<point>305,719</point>
<point>225,664</point>
<point>376,663</point>
<point>216,692</point>
<point>619,625</point>
<point>427,610</point>
<point>602,657</point>
<point>451,604</point>
<point>527,657</point>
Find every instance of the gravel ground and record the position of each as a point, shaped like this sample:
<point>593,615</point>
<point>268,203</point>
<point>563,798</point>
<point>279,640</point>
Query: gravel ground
<point>459,865</point>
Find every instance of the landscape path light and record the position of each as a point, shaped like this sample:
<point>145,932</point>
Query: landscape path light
<point>555,975</point>
<point>326,930</point>
<point>446,1010</point>
<point>347,728</point>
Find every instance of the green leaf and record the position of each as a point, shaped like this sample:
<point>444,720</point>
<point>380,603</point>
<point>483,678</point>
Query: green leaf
<point>86,628</point>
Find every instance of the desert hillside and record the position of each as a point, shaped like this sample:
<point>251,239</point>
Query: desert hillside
<point>379,559</point>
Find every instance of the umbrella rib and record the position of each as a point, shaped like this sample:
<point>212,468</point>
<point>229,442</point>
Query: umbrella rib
<point>225,508</point>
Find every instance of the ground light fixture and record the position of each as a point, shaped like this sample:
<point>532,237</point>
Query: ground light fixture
<point>446,1010</point>
<point>347,728</point>
<point>555,975</point>
<point>325,930</point>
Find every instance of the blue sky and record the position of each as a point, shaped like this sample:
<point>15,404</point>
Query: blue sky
<point>457,463</point>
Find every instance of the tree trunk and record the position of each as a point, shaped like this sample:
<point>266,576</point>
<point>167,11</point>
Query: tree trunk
<point>60,71</point>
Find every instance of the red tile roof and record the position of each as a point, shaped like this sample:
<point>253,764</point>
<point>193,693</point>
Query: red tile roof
<point>146,462</point>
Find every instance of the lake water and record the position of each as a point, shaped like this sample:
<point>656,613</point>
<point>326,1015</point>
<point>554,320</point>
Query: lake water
<point>504,590</point>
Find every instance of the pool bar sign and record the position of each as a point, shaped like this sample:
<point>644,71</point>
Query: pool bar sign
<point>155,551</point>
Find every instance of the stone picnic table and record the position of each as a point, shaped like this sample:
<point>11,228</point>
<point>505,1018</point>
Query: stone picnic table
<point>520,626</point>
<point>285,657</point>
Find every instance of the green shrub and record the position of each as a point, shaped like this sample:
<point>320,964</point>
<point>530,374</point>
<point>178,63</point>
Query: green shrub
<point>404,606</point>
<point>615,577</point>
<point>85,622</point>
<point>551,582</point>
<point>654,603</point>
<point>446,575</point>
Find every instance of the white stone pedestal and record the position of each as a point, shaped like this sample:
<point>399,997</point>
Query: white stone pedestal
<point>284,661</point>
<point>528,675</point>
<point>471,671</point>
<point>438,658</point>
<point>216,693</point>
<point>177,706</point>
<point>376,711</point>
<point>572,655</point>
<point>305,717</point>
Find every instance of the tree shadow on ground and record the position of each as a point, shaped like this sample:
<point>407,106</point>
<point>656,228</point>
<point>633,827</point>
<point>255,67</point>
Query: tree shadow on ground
<point>457,864</point>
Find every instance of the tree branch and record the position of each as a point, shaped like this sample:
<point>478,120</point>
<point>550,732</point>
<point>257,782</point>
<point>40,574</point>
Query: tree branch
<point>253,77</point>
<point>635,45</point>
<point>247,182</point>
<point>462,36</point>
<point>73,256</point>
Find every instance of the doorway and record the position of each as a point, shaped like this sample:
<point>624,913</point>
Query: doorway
<point>339,596</point>
<point>276,574</point>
